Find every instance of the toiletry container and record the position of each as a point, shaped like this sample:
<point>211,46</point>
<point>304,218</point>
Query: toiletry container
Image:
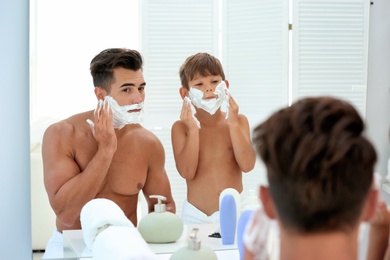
<point>228,219</point>
<point>241,227</point>
<point>160,226</point>
<point>252,201</point>
<point>251,204</point>
<point>237,198</point>
<point>194,250</point>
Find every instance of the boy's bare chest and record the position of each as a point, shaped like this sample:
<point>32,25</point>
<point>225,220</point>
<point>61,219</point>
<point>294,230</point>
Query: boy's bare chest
<point>215,142</point>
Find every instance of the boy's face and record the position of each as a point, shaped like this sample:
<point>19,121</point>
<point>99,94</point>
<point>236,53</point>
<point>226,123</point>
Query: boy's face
<point>206,84</point>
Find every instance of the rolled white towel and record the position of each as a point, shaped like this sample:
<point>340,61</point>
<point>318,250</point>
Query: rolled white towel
<point>110,234</point>
<point>97,215</point>
<point>121,243</point>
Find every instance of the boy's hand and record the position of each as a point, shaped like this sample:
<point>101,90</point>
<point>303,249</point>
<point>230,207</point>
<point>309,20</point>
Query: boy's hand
<point>232,111</point>
<point>186,115</point>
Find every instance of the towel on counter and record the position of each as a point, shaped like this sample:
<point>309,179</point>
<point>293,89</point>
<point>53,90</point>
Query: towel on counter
<point>121,243</point>
<point>97,215</point>
<point>110,234</point>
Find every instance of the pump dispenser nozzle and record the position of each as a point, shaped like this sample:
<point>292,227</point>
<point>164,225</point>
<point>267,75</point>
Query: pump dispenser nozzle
<point>193,241</point>
<point>159,207</point>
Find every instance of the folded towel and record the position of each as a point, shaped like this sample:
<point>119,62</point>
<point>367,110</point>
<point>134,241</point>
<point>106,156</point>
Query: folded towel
<point>121,243</point>
<point>99,214</point>
<point>110,234</point>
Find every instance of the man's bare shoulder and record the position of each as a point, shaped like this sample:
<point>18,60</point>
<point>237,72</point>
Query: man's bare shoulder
<point>139,133</point>
<point>67,127</point>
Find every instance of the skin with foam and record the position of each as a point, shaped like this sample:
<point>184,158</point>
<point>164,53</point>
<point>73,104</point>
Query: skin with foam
<point>213,104</point>
<point>121,114</point>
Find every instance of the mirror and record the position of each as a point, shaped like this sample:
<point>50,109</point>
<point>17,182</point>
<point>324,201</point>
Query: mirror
<point>65,35</point>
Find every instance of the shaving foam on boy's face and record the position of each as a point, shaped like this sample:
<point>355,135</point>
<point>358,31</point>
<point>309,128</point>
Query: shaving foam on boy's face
<point>209,105</point>
<point>121,114</point>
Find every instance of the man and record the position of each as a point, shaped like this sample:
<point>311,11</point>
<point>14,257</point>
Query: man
<point>320,173</point>
<point>112,156</point>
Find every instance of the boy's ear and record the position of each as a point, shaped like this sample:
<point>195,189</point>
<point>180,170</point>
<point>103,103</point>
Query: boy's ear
<point>227,83</point>
<point>100,93</point>
<point>268,203</point>
<point>183,92</point>
<point>370,204</point>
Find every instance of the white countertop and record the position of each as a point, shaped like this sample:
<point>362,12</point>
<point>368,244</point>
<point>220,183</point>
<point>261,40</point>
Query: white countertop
<point>74,245</point>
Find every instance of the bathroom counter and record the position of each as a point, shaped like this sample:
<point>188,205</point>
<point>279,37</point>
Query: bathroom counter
<point>74,245</point>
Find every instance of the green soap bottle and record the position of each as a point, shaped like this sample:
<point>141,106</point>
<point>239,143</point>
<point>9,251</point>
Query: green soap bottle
<point>160,226</point>
<point>194,251</point>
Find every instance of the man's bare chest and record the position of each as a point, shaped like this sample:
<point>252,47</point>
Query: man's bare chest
<point>128,168</point>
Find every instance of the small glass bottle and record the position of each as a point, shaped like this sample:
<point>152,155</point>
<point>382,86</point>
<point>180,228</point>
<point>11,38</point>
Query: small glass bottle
<point>194,250</point>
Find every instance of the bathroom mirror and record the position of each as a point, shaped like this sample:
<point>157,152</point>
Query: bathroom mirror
<point>253,41</point>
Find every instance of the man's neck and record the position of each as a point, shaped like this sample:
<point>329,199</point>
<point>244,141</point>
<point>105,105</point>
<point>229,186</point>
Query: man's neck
<point>335,245</point>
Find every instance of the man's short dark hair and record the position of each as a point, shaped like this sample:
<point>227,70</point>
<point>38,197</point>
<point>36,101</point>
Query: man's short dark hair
<point>319,165</point>
<point>103,65</point>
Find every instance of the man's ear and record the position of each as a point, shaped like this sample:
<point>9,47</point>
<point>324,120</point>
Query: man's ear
<point>100,93</point>
<point>268,203</point>
<point>183,92</point>
<point>370,204</point>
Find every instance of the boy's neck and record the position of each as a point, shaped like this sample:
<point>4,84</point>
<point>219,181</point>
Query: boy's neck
<point>334,245</point>
<point>206,118</point>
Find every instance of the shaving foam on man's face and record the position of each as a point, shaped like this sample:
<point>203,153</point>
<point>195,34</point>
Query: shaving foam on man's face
<point>121,114</point>
<point>209,105</point>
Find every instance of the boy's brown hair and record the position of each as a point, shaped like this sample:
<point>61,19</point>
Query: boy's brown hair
<point>201,63</point>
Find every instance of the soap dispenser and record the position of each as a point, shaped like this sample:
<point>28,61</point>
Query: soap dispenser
<point>160,226</point>
<point>194,251</point>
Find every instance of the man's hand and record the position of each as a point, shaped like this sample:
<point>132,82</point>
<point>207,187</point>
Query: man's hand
<point>102,126</point>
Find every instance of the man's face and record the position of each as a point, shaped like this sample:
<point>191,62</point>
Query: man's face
<point>128,87</point>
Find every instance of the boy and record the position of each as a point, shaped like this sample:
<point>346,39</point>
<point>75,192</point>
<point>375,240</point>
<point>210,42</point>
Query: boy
<point>212,156</point>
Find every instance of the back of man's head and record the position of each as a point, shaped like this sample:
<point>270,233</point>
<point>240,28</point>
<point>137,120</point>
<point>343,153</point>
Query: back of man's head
<point>319,164</point>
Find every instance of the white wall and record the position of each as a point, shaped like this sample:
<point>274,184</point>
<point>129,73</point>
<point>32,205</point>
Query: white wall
<point>15,225</point>
<point>68,35</point>
<point>378,90</point>
<point>63,41</point>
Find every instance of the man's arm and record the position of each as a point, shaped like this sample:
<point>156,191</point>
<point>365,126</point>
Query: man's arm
<point>185,143</point>
<point>157,182</point>
<point>240,136</point>
<point>68,187</point>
